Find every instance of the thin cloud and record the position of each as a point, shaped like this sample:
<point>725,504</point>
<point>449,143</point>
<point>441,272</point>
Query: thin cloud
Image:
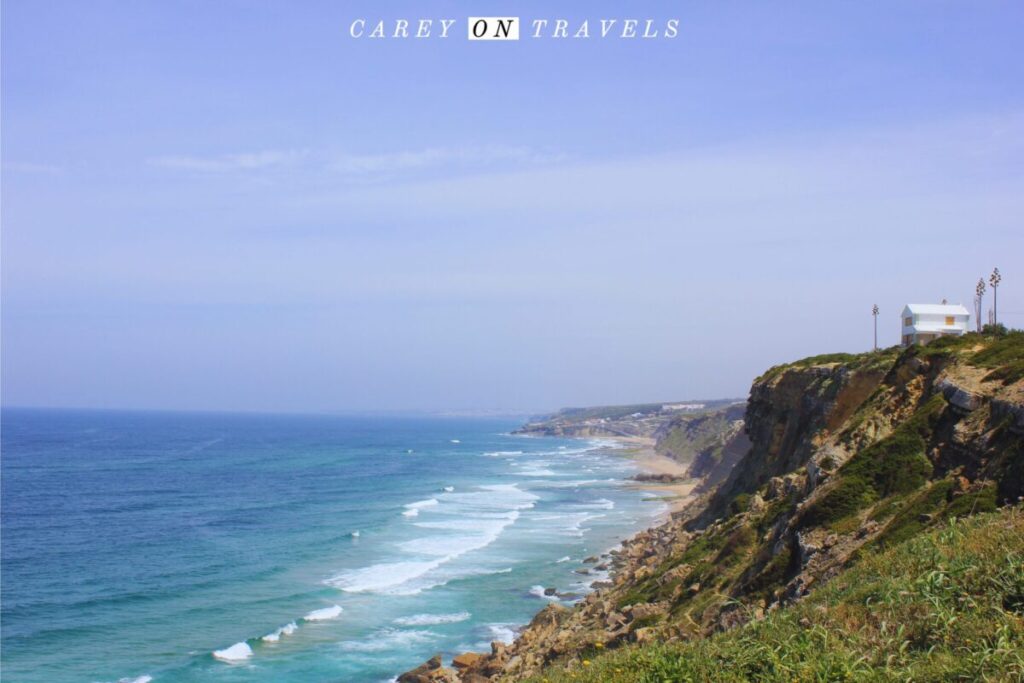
<point>364,166</point>
<point>395,162</point>
<point>247,161</point>
<point>29,167</point>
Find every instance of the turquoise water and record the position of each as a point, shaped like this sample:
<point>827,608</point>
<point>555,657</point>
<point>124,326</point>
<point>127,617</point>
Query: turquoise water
<point>135,546</point>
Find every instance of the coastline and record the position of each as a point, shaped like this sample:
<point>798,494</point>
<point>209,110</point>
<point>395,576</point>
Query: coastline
<point>677,494</point>
<point>622,561</point>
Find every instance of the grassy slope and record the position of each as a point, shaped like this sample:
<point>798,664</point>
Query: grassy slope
<point>947,605</point>
<point>922,601</point>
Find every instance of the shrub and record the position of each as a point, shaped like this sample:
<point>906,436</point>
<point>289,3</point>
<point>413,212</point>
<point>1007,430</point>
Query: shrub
<point>737,541</point>
<point>774,574</point>
<point>847,496</point>
<point>983,500</point>
<point>740,503</point>
<point>1004,357</point>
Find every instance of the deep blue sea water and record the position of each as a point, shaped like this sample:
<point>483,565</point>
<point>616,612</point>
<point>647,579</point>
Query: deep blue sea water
<point>135,546</point>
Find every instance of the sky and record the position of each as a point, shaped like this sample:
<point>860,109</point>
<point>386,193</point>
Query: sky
<point>234,205</point>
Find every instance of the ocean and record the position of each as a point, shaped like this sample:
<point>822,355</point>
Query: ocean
<point>216,547</point>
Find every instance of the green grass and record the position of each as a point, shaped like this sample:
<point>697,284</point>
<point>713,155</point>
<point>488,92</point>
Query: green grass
<point>894,465</point>
<point>849,495</point>
<point>1004,357</point>
<point>947,605</point>
<point>881,359</point>
<point>946,346</point>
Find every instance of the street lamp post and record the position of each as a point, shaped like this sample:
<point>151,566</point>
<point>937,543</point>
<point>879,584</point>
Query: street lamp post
<point>874,314</point>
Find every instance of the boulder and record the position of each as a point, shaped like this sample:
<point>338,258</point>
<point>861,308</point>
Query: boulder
<point>644,635</point>
<point>430,671</point>
<point>675,574</point>
<point>867,528</point>
<point>614,620</point>
<point>642,573</point>
<point>958,397</point>
<point>466,660</point>
<point>645,610</point>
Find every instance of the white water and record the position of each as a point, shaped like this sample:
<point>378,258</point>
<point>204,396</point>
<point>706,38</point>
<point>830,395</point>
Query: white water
<point>332,612</point>
<point>236,653</point>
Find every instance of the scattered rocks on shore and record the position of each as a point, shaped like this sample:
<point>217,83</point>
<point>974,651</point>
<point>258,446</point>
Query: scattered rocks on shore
<point>658,478</point>
<point>431,671</point>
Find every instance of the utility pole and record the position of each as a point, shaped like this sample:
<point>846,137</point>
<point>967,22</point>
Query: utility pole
<point>874,314</point>
<point>994,281</point>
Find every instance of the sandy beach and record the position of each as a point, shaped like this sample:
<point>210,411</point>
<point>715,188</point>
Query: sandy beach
<point>641,450</point>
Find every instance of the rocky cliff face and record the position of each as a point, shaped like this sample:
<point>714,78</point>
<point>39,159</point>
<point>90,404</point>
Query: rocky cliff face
<point>790,410</point>
<point>712,443</point>
<point>847,454</point>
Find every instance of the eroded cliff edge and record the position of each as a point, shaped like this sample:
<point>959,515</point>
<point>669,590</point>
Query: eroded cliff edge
<point>848,455</point>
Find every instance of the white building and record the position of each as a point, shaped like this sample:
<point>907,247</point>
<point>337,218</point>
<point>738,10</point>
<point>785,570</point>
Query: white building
<point>923,323</point>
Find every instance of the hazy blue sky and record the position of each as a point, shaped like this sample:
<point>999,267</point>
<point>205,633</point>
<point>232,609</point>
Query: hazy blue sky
<point>234,205</point>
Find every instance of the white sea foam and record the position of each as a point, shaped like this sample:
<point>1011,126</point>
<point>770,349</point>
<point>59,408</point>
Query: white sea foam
<point>413,509</point>
<point>599,504</point>
<point>502,632</point>
<point>538,591</point>
<point>536,471</point>
<point>449,489</point>
<point>499,454</point>
<point>478,516</point>
<point>324,614</point>
<point>575,484</point>
<point>564,559</point>
<point>388,639</point>
<point>566,523</point>
<point>448,546</point>
<point>144,678</point>
<point>285,630</point>
<point>456,441</point>
<point>432,619</point>
<point>480,524</point>
<point>383,577</point>
<point>238,652</point>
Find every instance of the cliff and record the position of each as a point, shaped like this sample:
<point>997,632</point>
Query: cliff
<point>849,458</point>
<point>711,442</point>
<point>648,420</point>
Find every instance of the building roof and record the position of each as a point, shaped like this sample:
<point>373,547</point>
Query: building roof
<point>936,309</point>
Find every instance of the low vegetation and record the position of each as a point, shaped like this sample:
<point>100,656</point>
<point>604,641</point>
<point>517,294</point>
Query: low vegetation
<point>873,530</point>
<point>947,605</point>
<point>893,465</point>
<point>1004,356</point>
